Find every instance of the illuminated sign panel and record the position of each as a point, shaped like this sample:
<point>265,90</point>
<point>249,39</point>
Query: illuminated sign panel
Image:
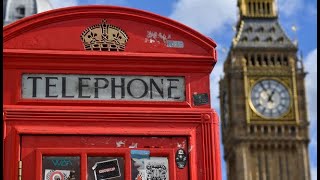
<point>103,87</point>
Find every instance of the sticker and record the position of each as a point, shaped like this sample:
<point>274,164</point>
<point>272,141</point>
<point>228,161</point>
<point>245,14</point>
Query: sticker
<point>51,174</point>
<point>106,169</point>
<point>181,158</point>
<point>61,162</point>
<point>200,99</point>
<point>137,169</point>
<point>140,154</point>
<point>140,176</point>
<point>175,44</point>
<point>156,168</point>
<point>153,168</point>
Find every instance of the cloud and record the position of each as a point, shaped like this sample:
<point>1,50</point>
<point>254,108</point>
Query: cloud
<point>206,16</point>
<point>215,77</point>
<point>312,9</point>
<point>290,7</point>
<point>314,173</point>
<point>310,66</point>
<point>63,3</point>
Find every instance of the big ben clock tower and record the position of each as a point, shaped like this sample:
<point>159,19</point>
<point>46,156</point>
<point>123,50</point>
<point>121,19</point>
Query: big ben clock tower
<point>263,103</point>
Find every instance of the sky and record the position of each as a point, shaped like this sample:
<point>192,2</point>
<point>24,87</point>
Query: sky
<point>217,18</point>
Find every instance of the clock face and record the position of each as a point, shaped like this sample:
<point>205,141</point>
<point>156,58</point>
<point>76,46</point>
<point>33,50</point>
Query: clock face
<point>270,98</point>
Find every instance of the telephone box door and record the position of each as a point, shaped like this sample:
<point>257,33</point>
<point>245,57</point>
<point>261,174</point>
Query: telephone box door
<point>104,157</point>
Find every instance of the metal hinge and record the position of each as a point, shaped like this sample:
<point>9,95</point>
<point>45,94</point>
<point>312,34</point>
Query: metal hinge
<point>20,171</point>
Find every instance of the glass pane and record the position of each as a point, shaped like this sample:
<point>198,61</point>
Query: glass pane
<point>150,168</point>
<point>102,168</point>
<point>60,167</point>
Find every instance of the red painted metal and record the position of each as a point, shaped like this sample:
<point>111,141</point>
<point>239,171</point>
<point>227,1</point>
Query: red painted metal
<point>50,43</point>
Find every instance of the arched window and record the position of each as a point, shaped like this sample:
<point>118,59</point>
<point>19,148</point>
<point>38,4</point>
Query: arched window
<point>265,60</point>
<point>256,39</point>
<point>263,8</point>
<point>20,11</point>
<point>254,8</point>
<point>260,29</point>
<point>280,39</point>
<point>268,8</point>
<point>252,59</point>
<point>269,39</point>
<point>272,61</point>
<point>249,29</point>
<point>244,39</point>
<point>259,62</point>
<point>285,60</point>
<point>272,29</point>
<point>278,62</point>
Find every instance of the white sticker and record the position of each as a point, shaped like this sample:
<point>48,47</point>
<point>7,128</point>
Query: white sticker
<point>152,168</point>
<point>51,174</point>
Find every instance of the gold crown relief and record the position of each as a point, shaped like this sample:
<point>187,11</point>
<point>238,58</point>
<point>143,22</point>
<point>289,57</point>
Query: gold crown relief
<point>104,37</point>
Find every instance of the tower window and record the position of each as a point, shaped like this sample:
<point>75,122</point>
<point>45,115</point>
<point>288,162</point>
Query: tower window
<point>280,39</point>
<point>293,130</point>
<point>256,39</point>
<point>244,39</point>
<point>260,29</point>
<point>259,62</point>
<point>285,61</point>
<point>265,59</point>
<point>272,60</point>
<point>20,12</point>
<point>272,30</point>
<point>278,62</point>
<point>246,58</point>
<point>252,60</point>
<point>249,29</point>
<point>268,8</point>
<point>269,39</point>
<point>260,8</point>
<point>265,129</point>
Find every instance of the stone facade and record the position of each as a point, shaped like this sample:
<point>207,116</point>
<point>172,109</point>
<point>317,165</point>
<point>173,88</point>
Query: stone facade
<point>14,10</point>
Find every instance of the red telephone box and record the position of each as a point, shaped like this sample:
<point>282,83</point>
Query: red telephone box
<point>99,92</point>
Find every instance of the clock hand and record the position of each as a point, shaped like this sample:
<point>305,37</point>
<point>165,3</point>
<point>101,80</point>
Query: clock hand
<point>263,87</point>
<point>270,96</point>
<point>265,90</point>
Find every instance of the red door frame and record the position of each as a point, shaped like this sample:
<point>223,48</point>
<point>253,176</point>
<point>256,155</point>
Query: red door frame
<point>29,49</point>
<point>200,127</point>
<point>83,152</point>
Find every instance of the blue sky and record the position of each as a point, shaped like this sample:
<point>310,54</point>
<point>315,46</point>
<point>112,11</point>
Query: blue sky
<point>216,19</point>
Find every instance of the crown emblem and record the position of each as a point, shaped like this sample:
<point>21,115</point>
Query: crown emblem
<point>104,37</point>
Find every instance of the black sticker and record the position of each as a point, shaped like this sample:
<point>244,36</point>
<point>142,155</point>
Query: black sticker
<point>106,169</point>
<point>181,158</point>
<point>200,99</point>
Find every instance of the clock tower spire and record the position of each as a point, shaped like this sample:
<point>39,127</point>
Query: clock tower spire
<point>262,98</point>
